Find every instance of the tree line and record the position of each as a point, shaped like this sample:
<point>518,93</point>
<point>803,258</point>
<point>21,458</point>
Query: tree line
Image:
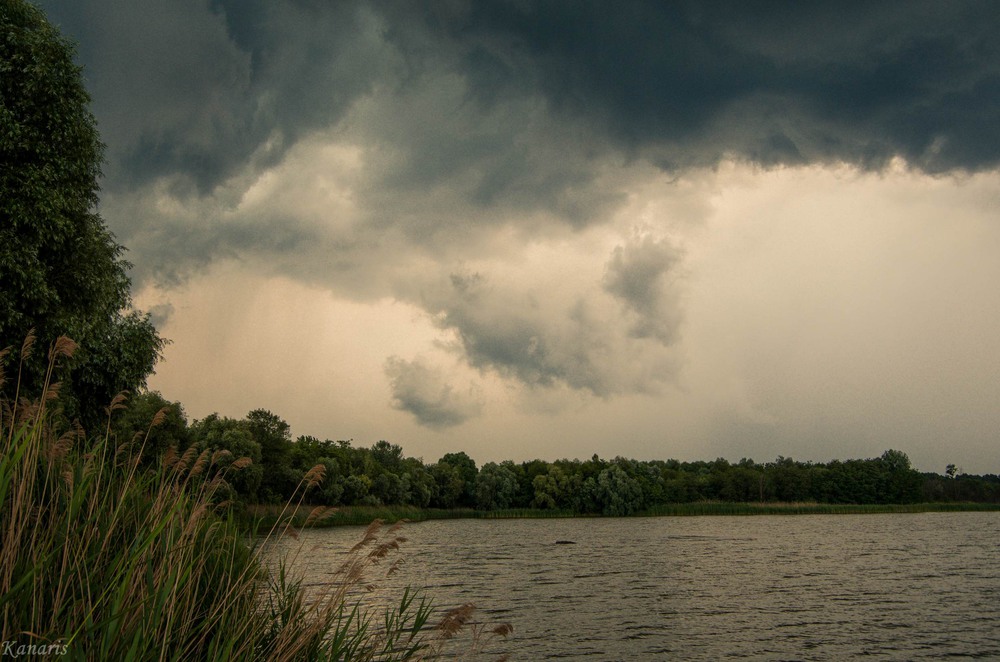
<point>383,475</point>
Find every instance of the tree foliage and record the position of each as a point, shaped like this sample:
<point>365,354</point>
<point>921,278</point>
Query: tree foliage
<point>61,270</point>
<point>383,475</point>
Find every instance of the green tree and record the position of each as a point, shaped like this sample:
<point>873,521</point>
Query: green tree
<point>61,270</point>
<point>900,483</point>
<point>554,489</point>
<point>331,490</point>
<point>742,483</point>
<point>389,456</point>
<point>275,440</point>
<point>389,489</point>
<point>496,486</point>
<point>356,489</point>
<point>218,433</point>
<point>421,482</point>
<point>134,424</point>
<point>467,471</point>
<point>618,494</point>
<point>789,480</point>
<point>448,486</point>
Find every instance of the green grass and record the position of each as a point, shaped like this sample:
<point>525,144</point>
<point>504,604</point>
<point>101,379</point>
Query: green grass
<point>262,517</point>
<point>106,554</point>
<point>723,508</point>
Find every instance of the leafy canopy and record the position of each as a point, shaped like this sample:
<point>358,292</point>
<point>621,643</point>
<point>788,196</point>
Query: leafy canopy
<point>61,270</point>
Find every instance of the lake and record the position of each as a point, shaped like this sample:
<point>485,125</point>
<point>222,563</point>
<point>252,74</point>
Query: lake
<point>805,587</point>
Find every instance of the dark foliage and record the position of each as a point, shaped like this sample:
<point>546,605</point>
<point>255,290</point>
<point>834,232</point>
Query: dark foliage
<point>61,270</point>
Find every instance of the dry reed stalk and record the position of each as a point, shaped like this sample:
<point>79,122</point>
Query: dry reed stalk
<point>181,466</point>
<point>455,619</point>
<point>241,463</point>
<point>138,558</point>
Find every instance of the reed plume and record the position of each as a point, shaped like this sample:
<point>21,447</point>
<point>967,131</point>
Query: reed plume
<point>107,559</point>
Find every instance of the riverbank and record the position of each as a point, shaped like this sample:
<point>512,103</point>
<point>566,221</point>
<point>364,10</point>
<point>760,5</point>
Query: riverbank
<point>262,517</point>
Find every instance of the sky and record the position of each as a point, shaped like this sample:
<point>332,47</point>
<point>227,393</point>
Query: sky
<point>552,229</point>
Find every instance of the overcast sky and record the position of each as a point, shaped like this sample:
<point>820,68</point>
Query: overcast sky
<point>554,229</point>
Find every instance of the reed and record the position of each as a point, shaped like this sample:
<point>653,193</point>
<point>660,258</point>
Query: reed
<point>263,516</point>
<point>102,557</point>
<point>726,508</point>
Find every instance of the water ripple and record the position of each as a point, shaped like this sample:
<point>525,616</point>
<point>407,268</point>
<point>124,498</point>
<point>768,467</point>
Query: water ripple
<point>889,587</point>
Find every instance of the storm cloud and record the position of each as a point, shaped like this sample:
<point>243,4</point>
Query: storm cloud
<point>774,83</point>
<point>640,273</point>
<point>536,184</point>
<point>544,336</point>
<point>491,111</point>
<point>424,391</point>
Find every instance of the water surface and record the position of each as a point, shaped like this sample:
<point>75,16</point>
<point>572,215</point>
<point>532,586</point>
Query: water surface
<point>809,587</point>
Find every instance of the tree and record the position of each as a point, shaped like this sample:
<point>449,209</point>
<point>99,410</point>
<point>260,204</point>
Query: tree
<point>789,480</point>
<point>275,440</point>
<point>448,485</point>
<point>553,489</point>
<point>388,488</point>
<point>61,270</point>
<point>134,424</point>
<point>421,482</point>
<point>900,483</point>
<point>466,468</point>
<point>389,456</point>
<point>496,486</point>
<point>217,433</point>
<point>356,489</point>
<point>618,494</point>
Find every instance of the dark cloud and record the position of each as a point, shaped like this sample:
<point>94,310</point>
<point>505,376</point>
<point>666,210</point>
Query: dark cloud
<point>639,273</point>
<point>160,313</point>
<point>543,339</point>
<point>855,81</point>
<point>185,88</point>
<point>200,87</point>
<point>423,391</point>
<point>465,127</point>
<point>471,113</point>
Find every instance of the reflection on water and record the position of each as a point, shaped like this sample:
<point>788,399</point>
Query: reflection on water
<point>813,587</point>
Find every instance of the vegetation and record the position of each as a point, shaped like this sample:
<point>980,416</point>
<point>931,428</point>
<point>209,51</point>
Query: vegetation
<point>381,480</point>
<point>129,543</point>
<point>116,546</point>
<point>110,551</point>
<point>62,271</point>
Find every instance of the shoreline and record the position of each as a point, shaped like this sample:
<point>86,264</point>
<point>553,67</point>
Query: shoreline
<point>261,517</point>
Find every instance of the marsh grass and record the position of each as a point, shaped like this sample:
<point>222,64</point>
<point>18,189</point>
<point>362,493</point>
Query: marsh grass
<point>110,559</point>
<point>261,517</point>
<point>726,508</point>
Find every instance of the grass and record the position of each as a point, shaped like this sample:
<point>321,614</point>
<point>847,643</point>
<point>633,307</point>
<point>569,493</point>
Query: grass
<point>724,508</point>
<point>263,516</point>
<point>107,555</point>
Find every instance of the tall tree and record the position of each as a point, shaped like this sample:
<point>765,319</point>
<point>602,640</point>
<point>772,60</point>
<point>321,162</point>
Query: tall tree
<point>61,270</point>
<point>496,486</point>
<point>275,439</point>
<point>466,468</point>
<point>228,434</point>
